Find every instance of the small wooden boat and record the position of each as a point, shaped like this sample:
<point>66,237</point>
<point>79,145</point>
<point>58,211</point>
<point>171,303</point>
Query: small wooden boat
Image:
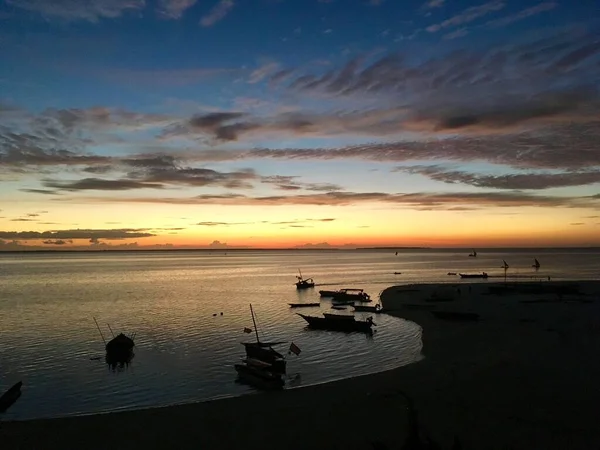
<point>363,308</point>
<point>455,315</point>
<point>451,273</point>
<point>339,307</point>
<point>473,275</point>
<point>10,396</point>
<point>474,254</point>
<point>397,273</point>
<point>304,283</point>
<point>335,322</point>
<point>303,305</point>
<point>264,351</point>
<point>347,295</point>
<point>120,348</point>
<point>536,264</point>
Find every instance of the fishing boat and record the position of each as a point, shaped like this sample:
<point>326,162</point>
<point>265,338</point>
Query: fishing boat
<point>120,348</point>
<point>455,315</point>
<point>364,308</point>
<point>338,307</point>
<point>303,305</point>
<point>304,283</point>
<point>536,265</point>
<point>347,295</point>
<point>264,351</point>
<point>474,254</point>
<point>473,275</point>
<point>10,396</point>
<point>336,322</point>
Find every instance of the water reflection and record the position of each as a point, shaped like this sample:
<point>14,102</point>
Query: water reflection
<point>119,362</point>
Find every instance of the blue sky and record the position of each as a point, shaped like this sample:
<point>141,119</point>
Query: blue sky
<point>461,107</point>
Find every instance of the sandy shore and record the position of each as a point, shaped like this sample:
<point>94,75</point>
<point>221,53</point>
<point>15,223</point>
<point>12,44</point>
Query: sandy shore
<point>524,376</point>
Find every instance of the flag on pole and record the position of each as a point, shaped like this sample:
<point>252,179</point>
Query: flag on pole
<point>247,330</point>
<point>294,349</point>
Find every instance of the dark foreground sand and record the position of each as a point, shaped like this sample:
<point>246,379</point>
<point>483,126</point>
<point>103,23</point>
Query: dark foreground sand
<point>526,376</point>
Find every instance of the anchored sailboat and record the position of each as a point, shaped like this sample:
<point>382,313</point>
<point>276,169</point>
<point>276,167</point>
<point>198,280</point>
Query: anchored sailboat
<point>537,264</point>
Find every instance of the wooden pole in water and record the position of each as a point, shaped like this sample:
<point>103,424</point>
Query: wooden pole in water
<point>99,331</point>
<point>254,322</point>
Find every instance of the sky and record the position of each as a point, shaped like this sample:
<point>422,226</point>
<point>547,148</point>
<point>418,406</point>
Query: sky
<point>134,124</point>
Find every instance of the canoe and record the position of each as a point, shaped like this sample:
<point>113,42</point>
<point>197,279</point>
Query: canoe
<point>345,323</point>
<point>303,305</point>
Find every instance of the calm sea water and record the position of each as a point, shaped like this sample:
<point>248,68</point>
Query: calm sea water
<point>184,353</point>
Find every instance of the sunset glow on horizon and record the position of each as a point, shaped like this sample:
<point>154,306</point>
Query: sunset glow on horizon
<point>262,124</point>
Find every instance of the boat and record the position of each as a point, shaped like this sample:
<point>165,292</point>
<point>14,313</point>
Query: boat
<point>473,275</point>
<point>10,396</point>
<point>335,322</point>
<point>304,283</point>
<point>455,315</point>
<point>264,351</point>
<point>347,295</point>
<point>120,348</point>
<point>451,273</point>
<point>364,308</point>
<point>339,307</point>
<point>303,305</point>
<point>505,265</point>
<point>536,264</point>
<point>474,254</point>
<point>397,273</point>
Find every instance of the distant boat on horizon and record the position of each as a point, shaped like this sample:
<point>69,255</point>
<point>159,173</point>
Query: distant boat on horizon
<point>505,265</point>
<point>474,254</point>
<point>537,264</point>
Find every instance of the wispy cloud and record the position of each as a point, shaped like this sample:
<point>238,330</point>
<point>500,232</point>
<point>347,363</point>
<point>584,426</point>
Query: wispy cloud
<point>523,14</point>
<point>174,9</point>
<point>468,15</point>
<point>262,72</point>
<point>418,200</point>
<point>75,10</point>
<point>217,13</point>
<point>109,234</point>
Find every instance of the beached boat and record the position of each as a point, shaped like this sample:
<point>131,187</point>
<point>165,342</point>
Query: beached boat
<point>303,305</point>
<point>473,275</point>
<point>455,315</point>
<point>347,294</point>
<point>10,396</point>
<point>264,351</point>
<point>363,308</point>
<point>336,322</point>
<point>304,283</point>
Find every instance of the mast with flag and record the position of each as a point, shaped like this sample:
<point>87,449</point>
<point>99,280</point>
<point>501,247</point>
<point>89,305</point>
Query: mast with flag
<point>505,266</point>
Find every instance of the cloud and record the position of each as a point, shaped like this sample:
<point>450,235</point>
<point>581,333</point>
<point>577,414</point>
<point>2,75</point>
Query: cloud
<point>262,72</point>
<point>434,4</point>
<point>174,9</point>
<point>110,234</point>
<point>418,200</point>
<point>23,219</point>
<point>527,181</point>
<point>217,13</point>
<point>468,15</point>
<point>79,10</point>
<point>456,34</point>
<point>222,224</point>
<point>290,183</point>
<point>40,191</point>
<point>99,184</point>
<point>166,77</point>
<point>577,223</point>
<point>523,14</point>
<point>57,242</point>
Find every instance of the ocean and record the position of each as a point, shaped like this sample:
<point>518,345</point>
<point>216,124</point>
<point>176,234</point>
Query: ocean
<point>185,348</point>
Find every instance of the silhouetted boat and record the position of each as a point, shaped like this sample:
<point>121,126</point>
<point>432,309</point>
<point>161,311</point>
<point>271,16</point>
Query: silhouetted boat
<point>119,349</point>
<point>473,275</point>
<point>340,307</point>
<point>455,315</point>
<point>347,295</point>
<point>264,351</point>
<point>474,254</point>
<point>304,283</point>
<point>336,322</point>
<point>363,308</point>
<point>10,396</point>
<point>536,264</point>
<point>303,305</point>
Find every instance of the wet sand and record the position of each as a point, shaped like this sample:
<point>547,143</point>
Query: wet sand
<point>524,376</point>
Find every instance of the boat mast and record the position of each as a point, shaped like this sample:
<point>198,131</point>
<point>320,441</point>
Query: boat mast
<point>97,326</point>
<point>254,322</point>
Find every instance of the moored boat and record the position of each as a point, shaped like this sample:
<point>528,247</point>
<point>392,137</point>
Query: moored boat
<point>304,283</point>
<point>259,375</point>
<point>264,351</point>
<point>303,305</point>
<point>347,295</point>
<point>10,396</point>
<point>473,275</point>
<point>364,308</point>
<point>339,323</point>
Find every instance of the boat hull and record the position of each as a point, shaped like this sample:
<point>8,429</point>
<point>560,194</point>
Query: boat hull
<point>336,324</point>
<point>10,396</point>
<point>303,305</point>
<point>266,354</point>
<point>258,377</point>
<point>473,275</point>
<point>373,309</point>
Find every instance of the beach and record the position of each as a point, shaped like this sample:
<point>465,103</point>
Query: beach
<point>524,376</point>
